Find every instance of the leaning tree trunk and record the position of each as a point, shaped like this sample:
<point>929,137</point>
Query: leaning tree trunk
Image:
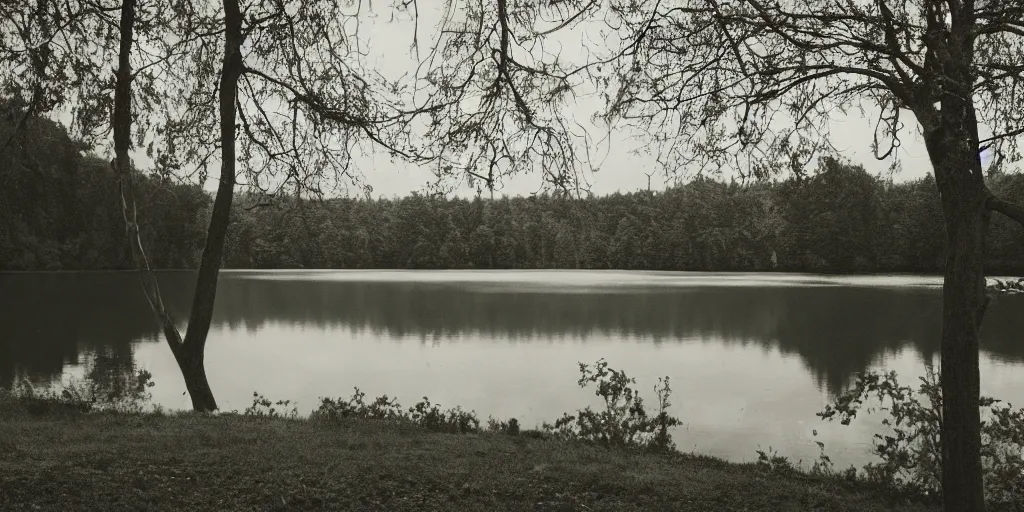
<point>191,360</point>
<point>958,173</point>
<point>188,353</point>
<point>188,356</point>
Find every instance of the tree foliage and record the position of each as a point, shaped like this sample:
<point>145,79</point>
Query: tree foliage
<point>751,87</point>
<point>738,84</point>
<point>910,447</point>
<point>60,207</point>
<point>839,219</point>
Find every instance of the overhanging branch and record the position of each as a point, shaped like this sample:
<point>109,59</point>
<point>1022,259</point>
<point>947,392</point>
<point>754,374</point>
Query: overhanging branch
<point>1008,208</point>
<point>986,143</point>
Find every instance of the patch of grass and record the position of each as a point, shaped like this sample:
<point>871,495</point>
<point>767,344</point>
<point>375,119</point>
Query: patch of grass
<point>186,461</point>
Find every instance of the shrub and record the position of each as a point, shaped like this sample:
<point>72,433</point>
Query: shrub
<point>624,421</point>
<point>262,407</point>
<point>510,427</point>
<point>423,414</point>
<point>125,392</point>
<point>824,466</point>
<point>453,421</point>
<point>911,452</point>
<point>355,407</point>
<point>772,462</point>
<point>333,409</point>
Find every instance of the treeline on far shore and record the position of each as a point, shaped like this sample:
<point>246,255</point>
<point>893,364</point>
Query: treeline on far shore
<point>59,210</point>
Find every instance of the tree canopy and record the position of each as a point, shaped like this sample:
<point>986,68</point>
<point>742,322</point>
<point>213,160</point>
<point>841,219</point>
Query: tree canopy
<point>838,219</point>
<point>743,85</point>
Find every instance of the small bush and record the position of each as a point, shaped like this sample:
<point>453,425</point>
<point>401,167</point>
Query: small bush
<point>453,421</point>
<point>911,452</point>
<point>125,392</point>
<point>423,414</point>
<point>624,420</point>
<point>510,427</point>
<point>772,462</point>
<point>262,407</point>
<point>334,409</point>
<point>824,466</point>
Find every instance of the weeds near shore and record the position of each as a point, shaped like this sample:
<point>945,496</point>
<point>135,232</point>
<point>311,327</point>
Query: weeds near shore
<point>424,414</point>
<point>125,392</point>
<point>911,452</point>
<point>624,421</point>
<point>263,407</point>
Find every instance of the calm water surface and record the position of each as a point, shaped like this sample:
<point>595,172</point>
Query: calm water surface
<point>752,357</point>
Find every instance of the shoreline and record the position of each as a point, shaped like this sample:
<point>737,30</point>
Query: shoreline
<point>186,461</point>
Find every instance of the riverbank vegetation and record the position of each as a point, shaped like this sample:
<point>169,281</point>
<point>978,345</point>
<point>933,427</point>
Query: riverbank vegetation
<point>82,447</point>
<point>61,212</point>
<point>753,89</point>
<point>231,462</point>
<point>99,442</point>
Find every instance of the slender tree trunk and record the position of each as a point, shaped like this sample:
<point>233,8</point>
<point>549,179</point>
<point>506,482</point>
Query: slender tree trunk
<point>188,353</point>
<point>962,189</point>
<point>191,361</point>
<point>122,120</point>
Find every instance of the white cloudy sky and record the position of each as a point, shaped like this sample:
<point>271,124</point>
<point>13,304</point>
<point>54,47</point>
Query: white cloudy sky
<point>388,42</point>
<point>618,167</point>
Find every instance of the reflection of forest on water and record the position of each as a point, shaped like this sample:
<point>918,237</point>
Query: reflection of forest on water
<point>52,320</point>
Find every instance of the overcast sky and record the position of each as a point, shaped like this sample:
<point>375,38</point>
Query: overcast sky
<point>619,169</point>
<point>388,43</point>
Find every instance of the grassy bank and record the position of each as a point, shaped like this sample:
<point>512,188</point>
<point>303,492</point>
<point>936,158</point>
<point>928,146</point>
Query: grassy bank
<point>112,461</point>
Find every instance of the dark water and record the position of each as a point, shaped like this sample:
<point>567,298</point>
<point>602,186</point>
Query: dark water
<point>752,357</point>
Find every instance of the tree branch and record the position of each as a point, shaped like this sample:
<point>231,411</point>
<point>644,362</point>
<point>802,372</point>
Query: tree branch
<point>1008,208</point>
<point>985,143</point>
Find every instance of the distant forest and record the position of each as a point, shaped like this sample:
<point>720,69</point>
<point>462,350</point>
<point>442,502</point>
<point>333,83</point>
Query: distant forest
<point>59,210</point>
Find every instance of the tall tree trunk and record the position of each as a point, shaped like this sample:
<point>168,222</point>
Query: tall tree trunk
<point>962,312</point>
<point>191,361</point>
<point>951,137</point>
<point>961,186</point>
<point>188,353</point>
<point>188,361</point>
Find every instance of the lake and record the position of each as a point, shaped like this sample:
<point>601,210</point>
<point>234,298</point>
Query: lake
<point>752,357</point>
